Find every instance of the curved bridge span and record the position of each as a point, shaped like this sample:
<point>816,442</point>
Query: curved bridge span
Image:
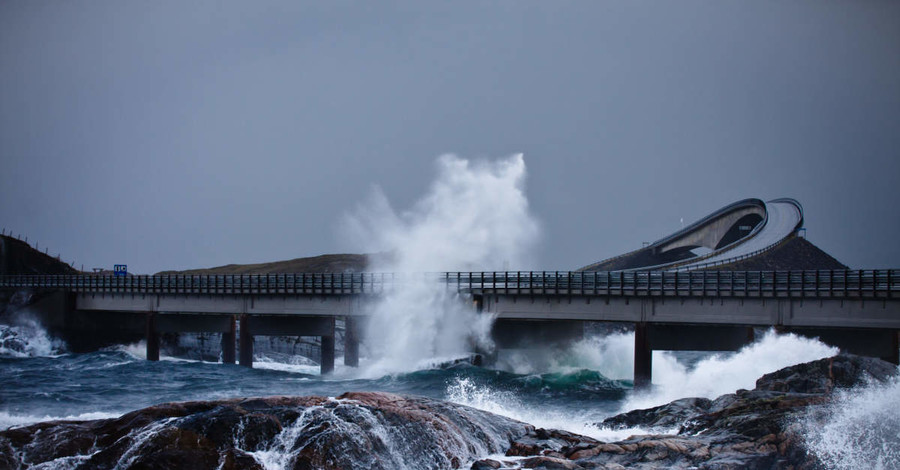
<point>738,231</point>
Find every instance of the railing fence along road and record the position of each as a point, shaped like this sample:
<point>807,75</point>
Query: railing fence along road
<point>817,284</point>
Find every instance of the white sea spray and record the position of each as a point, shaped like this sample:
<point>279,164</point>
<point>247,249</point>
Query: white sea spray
<point>612,355</point>
<point>474,217</point>
<point>858,430</point>
<point>27,338</point>
<point>726,372</point>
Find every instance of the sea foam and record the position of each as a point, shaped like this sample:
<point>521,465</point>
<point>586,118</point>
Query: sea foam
<point>612,356</point>
<point>858,430</point>
<point>26,338</point>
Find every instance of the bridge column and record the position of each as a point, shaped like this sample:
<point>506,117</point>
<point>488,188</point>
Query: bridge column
<point>351,341</point>
<point>895,358</point>
<point>152,338</point>
<point>228,339</point>
<point>327,364</point>
<point>643,357</point>
<point>246,341</point>
<point>327,351</point>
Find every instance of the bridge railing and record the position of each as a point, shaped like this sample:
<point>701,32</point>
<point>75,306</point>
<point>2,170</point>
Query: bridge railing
<point>822,283</point>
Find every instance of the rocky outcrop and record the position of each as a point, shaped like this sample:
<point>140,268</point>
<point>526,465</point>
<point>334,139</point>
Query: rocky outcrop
<point>355,430</point>
<point>749,429</point>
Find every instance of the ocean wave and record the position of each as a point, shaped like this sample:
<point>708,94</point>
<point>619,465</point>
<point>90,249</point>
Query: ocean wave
<point>858,430</point>
<point>10,420</point>
<point>28,339</point>
<point>725,372</point>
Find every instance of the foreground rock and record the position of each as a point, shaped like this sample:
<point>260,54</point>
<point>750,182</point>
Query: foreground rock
<point>356,430</point>
<point>755,429</point>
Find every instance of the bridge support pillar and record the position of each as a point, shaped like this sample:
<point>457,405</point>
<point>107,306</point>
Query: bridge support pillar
<point>152,338</point>
<point>351,341</point>
<point>643,357</point>
<point>246,342</point>
<point>896,356</point>
<point>327,365</point>
<point>228,340</point>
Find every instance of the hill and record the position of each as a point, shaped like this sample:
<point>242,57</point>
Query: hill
<point>338,263</point>
<point>18,257</point>
<point>795,253</point>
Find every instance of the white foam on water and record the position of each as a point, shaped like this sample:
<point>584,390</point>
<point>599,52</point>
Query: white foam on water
<point>474,217</point>
<point>858,430</point>
<point>727,372</point>
<point>8,420</point>
<point>27,338</point>
<point>307,369</point>
<point>720,373</point>
<point>464,391</point>
<point>136,350</point>
<point>612,355</point>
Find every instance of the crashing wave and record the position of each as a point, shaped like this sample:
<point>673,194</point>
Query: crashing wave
<point>28,339</point>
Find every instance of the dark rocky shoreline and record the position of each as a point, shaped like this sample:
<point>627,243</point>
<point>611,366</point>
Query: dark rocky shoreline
<point>749,429</point>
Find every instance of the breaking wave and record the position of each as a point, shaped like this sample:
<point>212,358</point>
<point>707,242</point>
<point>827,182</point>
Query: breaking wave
<point>858,430</point>
<point>28,339</point>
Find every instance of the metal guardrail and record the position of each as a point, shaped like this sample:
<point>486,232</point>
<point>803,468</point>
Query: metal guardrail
<point>817,284</point>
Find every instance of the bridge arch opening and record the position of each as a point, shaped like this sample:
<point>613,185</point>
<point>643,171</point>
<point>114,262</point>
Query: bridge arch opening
<point>740,229</point>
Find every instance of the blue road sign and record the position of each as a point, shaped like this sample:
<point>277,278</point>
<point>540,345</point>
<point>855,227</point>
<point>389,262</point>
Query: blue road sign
<point>120,269</point>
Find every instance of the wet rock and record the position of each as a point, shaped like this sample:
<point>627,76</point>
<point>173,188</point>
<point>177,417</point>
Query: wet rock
<point>665,416</point>
<point>486,464</point>
<point>843,371</point>
<point>748,429</point>
<point>356,430</point>
<point>550,463</point>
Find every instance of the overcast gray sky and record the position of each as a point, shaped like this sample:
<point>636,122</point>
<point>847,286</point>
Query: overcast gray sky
<point>171,135</point>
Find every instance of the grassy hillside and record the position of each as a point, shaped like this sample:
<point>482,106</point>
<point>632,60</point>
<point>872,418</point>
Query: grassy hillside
<point>18,257</point>
<point>316,264</point>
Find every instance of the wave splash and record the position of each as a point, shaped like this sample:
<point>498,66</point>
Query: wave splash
<point>612,356</point>
<point>474,217</point>
<point>726,372</point>
<point>858,430</point>
<point>28,339</point>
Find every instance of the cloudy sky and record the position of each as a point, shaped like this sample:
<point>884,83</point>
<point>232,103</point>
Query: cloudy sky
<point>171,135</point>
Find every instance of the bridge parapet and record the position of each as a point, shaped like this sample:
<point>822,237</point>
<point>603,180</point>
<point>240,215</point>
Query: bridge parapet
<point>817,284</point>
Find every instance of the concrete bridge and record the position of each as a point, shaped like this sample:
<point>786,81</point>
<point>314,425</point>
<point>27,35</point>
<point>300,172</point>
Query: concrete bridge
<point>858,311</point>
<point>738,231</point>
